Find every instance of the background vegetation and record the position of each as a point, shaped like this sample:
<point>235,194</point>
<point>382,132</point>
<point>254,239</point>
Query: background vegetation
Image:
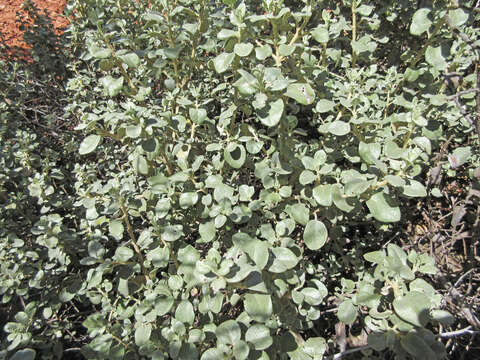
<point>243,180</point>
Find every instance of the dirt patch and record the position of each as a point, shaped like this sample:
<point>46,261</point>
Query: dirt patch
<point>11,11</point>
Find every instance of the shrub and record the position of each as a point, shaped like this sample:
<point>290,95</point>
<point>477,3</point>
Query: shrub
<point>243,165</point>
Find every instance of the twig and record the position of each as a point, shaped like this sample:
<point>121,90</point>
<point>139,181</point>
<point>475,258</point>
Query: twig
<point>464,92</point>
<point>460,279</point>
<point>466,331</point>
<point>347,352</point>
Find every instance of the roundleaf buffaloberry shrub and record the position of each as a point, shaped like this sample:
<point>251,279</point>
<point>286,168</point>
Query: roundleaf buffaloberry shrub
<point>243,164</point>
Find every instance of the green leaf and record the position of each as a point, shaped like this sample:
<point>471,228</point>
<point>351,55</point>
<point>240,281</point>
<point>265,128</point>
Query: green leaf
<point>228,332</point>
<point>172,53</point>
<point>89,144</point>
<point>320,34</point>
<point>172,232</point>
<point>339,128</point>
<point>188,199</point>
<point>258,306</point>
<point>247,84</point>
<point>198,116</point>
<point>98,52</point>
<point>223,61</point>
<point>24,354</point>
<point>283,260</point>
<point>416,346</point>
<point>131,59</point>
<point>414,308</point>
<point>133,131</point>
<point>420,22</point>
<point>259,336</point>
<point>235,155</point>
<point>369,152</point>
<point>323,195</point>
<point>414,189</point>
<point>112,85</point>
<point>460,156</point>
<point>240,350</point>
<point>140,164</point>
<point>458,16</point>
<point>185,313</point>
<point>324,106</point>
<point>315,234</point>
<point>271,114</point>
<point>301,92</point>
<point>347,312</point>
<point>299,212</point>
<point>383,208</point>
<point>286,50</point>
<point>315,347</point>
<point>207,231</point>
<point>434,57</point>
<point>307,177</point>
<point>243,49</point>
<point>214,353</point>
<point>142,334</point>
<point>123,254</point>
<point>263,52</point>
<point>376,257</point>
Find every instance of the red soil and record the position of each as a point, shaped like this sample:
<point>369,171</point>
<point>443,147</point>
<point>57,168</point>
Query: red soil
<point>11,35</point>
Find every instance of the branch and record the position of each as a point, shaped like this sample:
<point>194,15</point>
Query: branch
<point>347,352</point>
<point>464,92</point>
<point>466,331</point>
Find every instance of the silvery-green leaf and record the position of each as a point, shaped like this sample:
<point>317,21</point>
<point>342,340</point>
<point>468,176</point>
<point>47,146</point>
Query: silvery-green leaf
<point>228,332</point>
<point>434,57</point>
<point>116,229</point>
<point>259,336</point>
<point>323,194</point>
<point>271,114</point>
<point>414,308</point>
<point>112,85</point>
<point>301,92</point>
<point>142,334</point>
<point>243,49</point>
<point>286,50</point>
<point>383,208</point>
<point>197,115</point>
<point>339,128</point>
<point>184,312</point>
<point>235,155</point>
<point>89,144</point>
<point>131,59</point>
<point>458,16</point>
<point>414,188</point>
<point>315,234</point>
<point>258,306</point>
<point>320,34</point>
<point>420,21</point>
<point>347,312</point>
<point>223,61</point>
<point>263,52</point>
<point>324,106</point>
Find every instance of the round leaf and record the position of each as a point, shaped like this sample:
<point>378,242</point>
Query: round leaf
<point>271,114</point>
<point>383,208</point>
<point>89,144</point>
<point>235,155</point>
<point>228,332</point>
<point>259,336</point>
<point>315,234</point>
<point>347,312</point>
<point>301,92</point>
<point>243,49</point>
<point>258,306</point>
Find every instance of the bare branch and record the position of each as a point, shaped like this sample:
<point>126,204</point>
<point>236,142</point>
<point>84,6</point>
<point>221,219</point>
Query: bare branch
<point>466,331</point>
